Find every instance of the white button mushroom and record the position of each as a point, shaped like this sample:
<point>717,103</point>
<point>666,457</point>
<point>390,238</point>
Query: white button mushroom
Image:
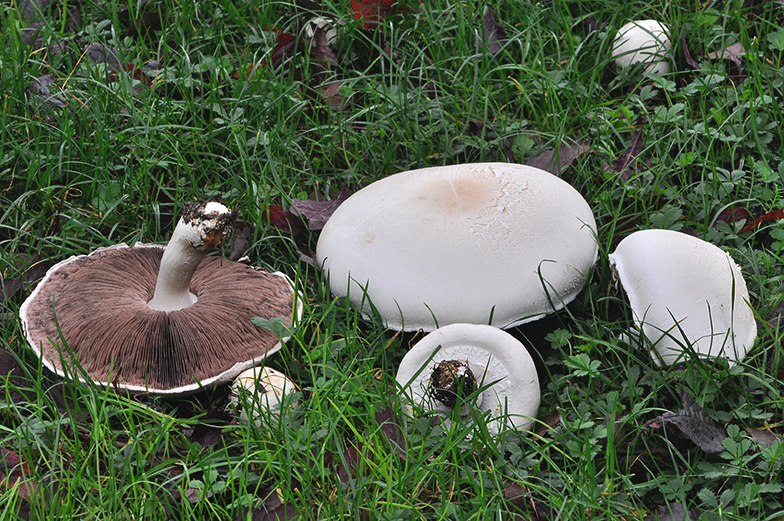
<point>684,291</point>
<point>644,41</point>
<point>264,389</point>
<point>451,363</point>
<point>484,243</point>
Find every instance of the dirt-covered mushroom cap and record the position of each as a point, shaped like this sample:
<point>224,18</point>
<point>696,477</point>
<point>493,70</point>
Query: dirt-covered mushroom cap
<point>644,41</point>
<point>506,381</point>
<point>484,243</point>
<point>160,320</point>
<point>684,291</point>
<point>264,389</point>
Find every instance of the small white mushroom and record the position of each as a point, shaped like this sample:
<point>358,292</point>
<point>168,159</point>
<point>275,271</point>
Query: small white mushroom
<point>481,243</point>
<point>450,364</point>
<point>684,291</point>
<point>644,41</point>
<point>264,389</point>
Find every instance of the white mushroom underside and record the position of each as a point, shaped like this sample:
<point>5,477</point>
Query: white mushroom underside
<point>457,244</point>
<point>685,291</point>
<point>493,356</point>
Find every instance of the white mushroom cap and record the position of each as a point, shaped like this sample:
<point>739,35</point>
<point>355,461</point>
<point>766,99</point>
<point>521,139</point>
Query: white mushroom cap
<point>643,41</point>
<point>460,243</point>
<point>684,290</point>
<point>492,356</point>
<point>265,388</point>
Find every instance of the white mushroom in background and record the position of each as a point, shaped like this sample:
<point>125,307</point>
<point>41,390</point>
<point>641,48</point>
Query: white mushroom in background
<point>450,364</point>
<point>644,41</point>
<point>483,243</point>
<point>685,291</point>
<point>264,389</point>
<point>161,320</point>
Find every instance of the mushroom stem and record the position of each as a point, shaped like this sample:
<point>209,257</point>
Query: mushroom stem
<point>452,382</point>
<point>203,226</point>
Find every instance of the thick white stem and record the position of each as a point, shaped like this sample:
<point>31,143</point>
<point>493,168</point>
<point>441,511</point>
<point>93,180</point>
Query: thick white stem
<point>191,241</point>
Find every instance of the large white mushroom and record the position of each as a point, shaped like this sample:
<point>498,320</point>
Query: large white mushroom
<point>160,320</point>
<point>685,293</point>
<point>645,41</point>
<point>459,362</point>
<point>483,243</point>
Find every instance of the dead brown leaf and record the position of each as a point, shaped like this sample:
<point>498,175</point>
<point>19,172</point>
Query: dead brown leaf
<point>695,423</point>
<point>318,212</point>
<point>494,34</point>
<point>557,162</point>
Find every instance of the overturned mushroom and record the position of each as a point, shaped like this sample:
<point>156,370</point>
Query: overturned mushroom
<point>470,365</point>
<point>643,41</point>
<point>685,293</point>
<point>483,243</point>
<point>264,389</point>
<point>162,320</point>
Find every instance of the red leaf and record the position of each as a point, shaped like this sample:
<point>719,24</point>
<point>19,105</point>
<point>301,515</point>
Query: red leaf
<point>775,215</point>
<point>389,427</point>
<point>12,470</point>
<point>284,47</point>
<point>733,215</point>
<point>285,220</point>
<point>371,13</point>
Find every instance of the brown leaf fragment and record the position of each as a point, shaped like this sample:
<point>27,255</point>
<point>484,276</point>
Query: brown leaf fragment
<point>494,35</point>
<point>241,240</point>
<point>320,49</point>
<point>514,495</point>
<point>100,53</point>
<point>695,423</point>
<point>764,437</point>
<point>350,462</point>
<point>732,53</point>
<point>330,93</point>
<point>673,512</point>
<point>318,212</point>
<point>389,427</point>
<point>285,220</point>
<point>691,62</point>
<point>34,10</point>
<point>557,162</point>
<point>628,163</point>
<point>273,509</point>
<point>551,422</point>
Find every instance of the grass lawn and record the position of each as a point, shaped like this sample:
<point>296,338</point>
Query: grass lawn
<point>113,115</point>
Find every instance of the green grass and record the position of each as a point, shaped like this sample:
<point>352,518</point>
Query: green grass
<point>113,160</point>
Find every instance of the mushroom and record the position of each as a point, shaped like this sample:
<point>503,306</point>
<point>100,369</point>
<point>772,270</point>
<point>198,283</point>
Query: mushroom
<point>462,362</point>
<point>644,41</point>
<point>684,292</point>
<point>171,330</point>
<point>485,243</point>
<point>264,389</point>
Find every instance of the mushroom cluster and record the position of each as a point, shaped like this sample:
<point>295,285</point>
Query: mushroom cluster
<point>483,243</point>
<point>685,294</point>
<point>161,320</point>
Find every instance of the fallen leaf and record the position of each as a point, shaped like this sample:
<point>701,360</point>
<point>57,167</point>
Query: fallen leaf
<point>284,48</point>
<point>691,62</point>
<point>386,420</point>
<point>350,462</point>
<point>100,53</point>
<point>628,164</point>
<point>14,472</point>
<point>318,212</point>
<point>285,220</point>
<point>241,240</point>
<point>695,423</point>
<point>774,215</point>
<point>672,512</point>
<point>371,13</point>
<point>764,436</point>
<point>273,509</point>
<point>494,35</point>
<point>320,49</point>
<point>733,215</point>
<point>331,94</point>
<point>732,53</point>
<point>558,163</point>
